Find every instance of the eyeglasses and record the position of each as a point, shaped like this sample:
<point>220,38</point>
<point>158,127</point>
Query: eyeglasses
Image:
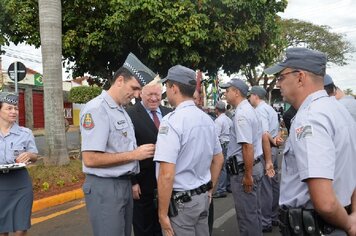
<point>281,76</point>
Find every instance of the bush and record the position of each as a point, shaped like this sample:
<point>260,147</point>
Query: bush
<point>83,94</point>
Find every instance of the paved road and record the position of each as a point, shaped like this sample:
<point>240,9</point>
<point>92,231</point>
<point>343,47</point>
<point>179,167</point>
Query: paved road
<point>75,222</point>
<point>73,142</point>
<point>71,219</point>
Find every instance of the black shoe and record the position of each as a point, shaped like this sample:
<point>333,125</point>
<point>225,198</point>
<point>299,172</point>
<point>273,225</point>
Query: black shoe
<point>275,223</point>
<point>219,195</point>
<point>228,190</point>
<point>267,229</point>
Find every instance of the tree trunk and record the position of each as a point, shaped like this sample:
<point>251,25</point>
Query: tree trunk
<point>50,15</point>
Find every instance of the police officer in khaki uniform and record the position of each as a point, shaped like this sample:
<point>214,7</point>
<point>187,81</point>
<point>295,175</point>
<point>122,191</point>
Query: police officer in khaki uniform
<point>109,151</point>
<point>318,187</point>
<point>188,159</point>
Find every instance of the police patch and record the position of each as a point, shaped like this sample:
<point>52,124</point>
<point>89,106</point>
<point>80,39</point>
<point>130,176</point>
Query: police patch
<point>88,122</point>
<point>304,131</point>
<point>241,121</point>
<point>163,129</point>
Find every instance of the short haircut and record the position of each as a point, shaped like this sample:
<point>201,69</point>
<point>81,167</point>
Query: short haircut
<point>330,89</point>
<point>185,90</point>
<point>122,71</point>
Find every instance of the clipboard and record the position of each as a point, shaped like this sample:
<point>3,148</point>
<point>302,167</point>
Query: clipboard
<point>5,168</point>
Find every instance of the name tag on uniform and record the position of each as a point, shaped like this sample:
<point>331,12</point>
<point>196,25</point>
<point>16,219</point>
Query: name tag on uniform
<point>303,132</point>
<point>163,130</point>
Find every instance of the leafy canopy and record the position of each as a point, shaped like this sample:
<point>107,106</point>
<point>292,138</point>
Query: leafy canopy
<point>204,34</point>
<point>297,33</point>
<point>317,37</point>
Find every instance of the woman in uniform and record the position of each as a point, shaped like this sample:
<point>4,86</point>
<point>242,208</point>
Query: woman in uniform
<point>17,145</point>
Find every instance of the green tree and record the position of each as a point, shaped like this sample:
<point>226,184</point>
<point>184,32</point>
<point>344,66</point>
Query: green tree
<point>296,33</point>
<point>317,37</point>
<point>348,91</point>
<point>50,34</point>
<point>204,34</point>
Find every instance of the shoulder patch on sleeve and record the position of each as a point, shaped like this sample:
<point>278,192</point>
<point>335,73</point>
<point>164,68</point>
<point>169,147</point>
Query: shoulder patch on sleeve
<point>88,122</point>
<point>241,121</point>
<point>303,132</point>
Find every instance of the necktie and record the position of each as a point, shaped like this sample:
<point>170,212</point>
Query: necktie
<point>155,119</point>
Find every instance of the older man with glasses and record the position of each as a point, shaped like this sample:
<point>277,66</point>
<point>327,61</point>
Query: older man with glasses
<point>318,187</point>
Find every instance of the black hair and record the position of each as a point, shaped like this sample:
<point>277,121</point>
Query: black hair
<point>330,89</point>
<point>122,71</point>
<point>185,90</point>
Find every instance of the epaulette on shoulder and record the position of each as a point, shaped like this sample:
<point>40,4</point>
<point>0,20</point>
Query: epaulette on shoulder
<point>25,130</point>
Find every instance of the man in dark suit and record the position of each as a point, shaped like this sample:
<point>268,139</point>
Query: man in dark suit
<point>146,115</point>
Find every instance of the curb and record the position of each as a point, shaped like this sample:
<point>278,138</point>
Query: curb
<point>57,200</point>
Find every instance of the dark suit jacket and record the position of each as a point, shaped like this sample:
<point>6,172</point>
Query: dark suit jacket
<point>145,132</point>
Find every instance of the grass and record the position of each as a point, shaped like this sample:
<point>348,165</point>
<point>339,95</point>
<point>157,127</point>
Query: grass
<point>53,178</point>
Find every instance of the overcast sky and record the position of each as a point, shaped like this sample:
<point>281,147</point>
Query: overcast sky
<point>338,14</point>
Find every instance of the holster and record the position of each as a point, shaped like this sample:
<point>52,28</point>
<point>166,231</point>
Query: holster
<point>232,167</point>
<point>172,208</point>
<point>284,221</point>
<point>302,222</point>
<point>309,222</point>
<point>155,198</point>
<point>296,221</point>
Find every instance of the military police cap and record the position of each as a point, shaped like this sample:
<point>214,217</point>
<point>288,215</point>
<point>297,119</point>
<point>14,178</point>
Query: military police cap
<point>237,83</point>
<point>9,98</point>
<point>259,91</point>
<point>182,75</point>
<point>328,80</point>
<point>141,72</point>
<point>301,58</point>
<point>220,105</point>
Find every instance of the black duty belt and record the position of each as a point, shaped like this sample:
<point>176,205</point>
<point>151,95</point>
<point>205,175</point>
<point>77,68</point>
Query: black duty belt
<point>201,189</point>
<point>181,197</point>
<point>234,168</point>
<point>242,164</point>
<point>300,221</point>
